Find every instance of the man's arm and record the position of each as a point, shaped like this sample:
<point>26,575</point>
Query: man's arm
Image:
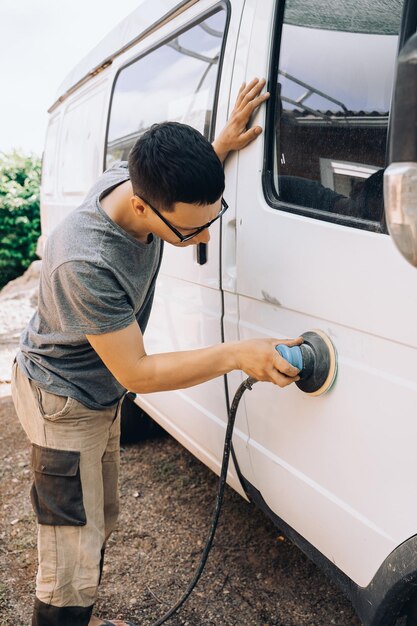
<point>124,355</point>
<point>235,135</point>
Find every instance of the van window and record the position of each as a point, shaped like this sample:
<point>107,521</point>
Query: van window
<point>49,157</point>
<point>334,80</point>
<point>81,129</point>
<point>175,82</point>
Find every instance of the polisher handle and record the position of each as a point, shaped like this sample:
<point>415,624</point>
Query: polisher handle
<point>292,355</point>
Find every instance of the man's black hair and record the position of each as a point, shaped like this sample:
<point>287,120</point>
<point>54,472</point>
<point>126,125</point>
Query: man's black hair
<point>173,162</point>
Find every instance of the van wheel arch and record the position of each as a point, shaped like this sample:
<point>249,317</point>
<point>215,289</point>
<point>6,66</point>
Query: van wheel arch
<point>393,590</point>
<point>410,611</point>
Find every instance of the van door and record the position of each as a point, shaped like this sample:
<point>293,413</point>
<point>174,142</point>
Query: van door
<point>177,77</point>
<point>313,252</point>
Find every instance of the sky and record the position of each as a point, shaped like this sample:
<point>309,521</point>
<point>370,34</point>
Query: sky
<point>40,42</point>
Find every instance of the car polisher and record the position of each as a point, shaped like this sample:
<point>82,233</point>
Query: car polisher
<point>316,360</point>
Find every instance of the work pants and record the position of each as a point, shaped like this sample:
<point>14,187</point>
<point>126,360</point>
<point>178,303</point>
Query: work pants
<point>75,458</point>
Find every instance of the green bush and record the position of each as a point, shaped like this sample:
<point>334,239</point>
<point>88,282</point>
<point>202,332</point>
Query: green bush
<point>19,213</point>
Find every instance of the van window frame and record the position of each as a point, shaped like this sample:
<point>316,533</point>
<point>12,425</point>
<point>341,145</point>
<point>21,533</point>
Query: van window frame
<point>269,142</point>
<point>222,4</point>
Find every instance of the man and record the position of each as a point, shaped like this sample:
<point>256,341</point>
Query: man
<point>84,347</point>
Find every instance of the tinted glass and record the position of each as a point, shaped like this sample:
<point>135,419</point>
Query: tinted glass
<point>335,78</point>
<point>174,82</point>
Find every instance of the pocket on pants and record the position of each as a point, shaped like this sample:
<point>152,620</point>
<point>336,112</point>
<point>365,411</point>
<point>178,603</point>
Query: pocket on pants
<point>56,494</point>
<point>52,406</point>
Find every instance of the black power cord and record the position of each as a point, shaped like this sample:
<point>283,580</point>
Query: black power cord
<point>247,384</point>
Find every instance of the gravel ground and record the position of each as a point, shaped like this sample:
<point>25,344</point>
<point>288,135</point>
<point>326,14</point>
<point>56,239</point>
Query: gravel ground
<point>254,575</point>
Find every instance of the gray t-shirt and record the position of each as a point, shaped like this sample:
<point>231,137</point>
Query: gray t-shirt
<point>96,278</point>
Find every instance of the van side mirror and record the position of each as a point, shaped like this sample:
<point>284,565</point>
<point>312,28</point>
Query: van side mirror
<point>400,178</point>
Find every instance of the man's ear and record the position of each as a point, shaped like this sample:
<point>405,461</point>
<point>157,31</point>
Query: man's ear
<point>138,206</point>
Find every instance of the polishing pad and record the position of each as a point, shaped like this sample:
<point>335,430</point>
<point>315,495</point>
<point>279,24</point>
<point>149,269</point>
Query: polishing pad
<point>319,363</point>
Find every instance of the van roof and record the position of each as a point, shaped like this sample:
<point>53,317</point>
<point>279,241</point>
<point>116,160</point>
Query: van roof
<point>148,16</point>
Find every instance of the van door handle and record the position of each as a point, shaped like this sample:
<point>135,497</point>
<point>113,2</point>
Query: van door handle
<point>201,253</point>
<point>229,256</point>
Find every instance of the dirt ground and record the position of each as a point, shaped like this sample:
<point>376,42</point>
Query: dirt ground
<point>254,575</point>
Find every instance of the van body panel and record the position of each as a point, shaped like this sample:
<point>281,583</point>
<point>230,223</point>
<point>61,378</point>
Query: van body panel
<point>294,274</point>
<point>192,443</point>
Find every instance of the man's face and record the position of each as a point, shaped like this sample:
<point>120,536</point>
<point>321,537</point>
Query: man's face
<point>185,219</point>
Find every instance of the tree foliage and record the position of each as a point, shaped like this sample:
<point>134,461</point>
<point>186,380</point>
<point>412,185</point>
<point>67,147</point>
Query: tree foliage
<point>19,213</point>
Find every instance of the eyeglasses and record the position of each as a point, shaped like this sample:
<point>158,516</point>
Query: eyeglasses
<point>180,236</point>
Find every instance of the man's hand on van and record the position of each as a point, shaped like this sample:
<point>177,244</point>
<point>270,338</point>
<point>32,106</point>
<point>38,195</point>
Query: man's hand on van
<point>258,358</point>
<point>235,134</point>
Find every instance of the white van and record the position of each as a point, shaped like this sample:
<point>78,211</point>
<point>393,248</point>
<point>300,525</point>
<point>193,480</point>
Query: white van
<point>304,245</point>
